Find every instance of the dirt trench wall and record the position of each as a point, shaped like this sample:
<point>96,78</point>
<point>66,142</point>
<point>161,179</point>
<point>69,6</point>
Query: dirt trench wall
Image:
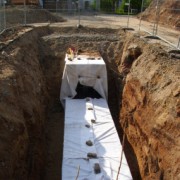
<point>31,69</point>
<point>150,110</point>
<point>23,100</point>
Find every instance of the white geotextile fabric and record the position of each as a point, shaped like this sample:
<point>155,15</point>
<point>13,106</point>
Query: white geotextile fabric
<point>103,134</point>
<point>88,72</point>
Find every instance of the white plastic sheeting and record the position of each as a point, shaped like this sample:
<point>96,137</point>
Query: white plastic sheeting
<point>88,72</point>
<point>102,133</point>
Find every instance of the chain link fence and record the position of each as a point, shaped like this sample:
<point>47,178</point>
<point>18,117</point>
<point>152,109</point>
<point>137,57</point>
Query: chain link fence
<point>24,12</point>
<point>168,13</point>
<point>2,15</point>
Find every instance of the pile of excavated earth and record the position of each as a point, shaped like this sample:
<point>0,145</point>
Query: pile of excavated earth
<point>17,15</point>
<point>167,13</point>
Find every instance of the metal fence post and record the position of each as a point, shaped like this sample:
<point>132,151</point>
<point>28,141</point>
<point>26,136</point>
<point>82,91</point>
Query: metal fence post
<point>98,5</point>
<point>1,24</point>
<point>25,18</point>
<point>142,4</point>
<point>156,22</point>
<point>79,16</point>
<point>158,15</point>
<point>0,19</point>
<point>178,46</point>
<point>4,15</point>
<point>56,5</point>
<point>128,14</point>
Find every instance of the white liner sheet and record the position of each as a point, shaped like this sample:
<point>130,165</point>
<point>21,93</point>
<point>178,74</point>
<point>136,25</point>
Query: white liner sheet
<point>103,134</point>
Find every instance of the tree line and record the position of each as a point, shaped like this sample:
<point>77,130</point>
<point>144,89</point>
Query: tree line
<point>121,6</point>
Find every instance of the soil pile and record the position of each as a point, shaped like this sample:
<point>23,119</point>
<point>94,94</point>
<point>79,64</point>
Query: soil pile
<point>16,15</point>
<point>169,12</point>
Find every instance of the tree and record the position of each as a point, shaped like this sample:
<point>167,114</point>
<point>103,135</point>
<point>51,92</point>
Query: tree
<point>134,4</point>
<point>147,3</point>
<point>110,5</point>
<point>106,5</point>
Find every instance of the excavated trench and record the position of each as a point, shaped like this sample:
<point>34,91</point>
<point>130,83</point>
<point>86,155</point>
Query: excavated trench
<point>140,100</point>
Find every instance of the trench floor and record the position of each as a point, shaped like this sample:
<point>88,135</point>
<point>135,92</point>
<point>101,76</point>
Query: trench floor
<point>54,142</point>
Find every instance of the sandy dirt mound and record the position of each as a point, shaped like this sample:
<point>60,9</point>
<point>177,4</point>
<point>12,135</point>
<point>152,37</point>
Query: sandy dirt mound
<point>169,13</point>
<point>15,15</point>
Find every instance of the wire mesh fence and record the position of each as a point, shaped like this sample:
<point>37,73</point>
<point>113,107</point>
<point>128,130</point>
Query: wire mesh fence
<point>24,12</point>
<point>166,12</point>
<point>2,15</point>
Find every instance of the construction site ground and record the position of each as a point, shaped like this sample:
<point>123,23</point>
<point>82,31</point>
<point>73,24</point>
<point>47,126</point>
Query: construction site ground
<point>31,67</point>
<point>115,21</point>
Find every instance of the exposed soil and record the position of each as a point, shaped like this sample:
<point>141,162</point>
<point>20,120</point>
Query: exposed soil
<point>150,109</point>
<point>143,99</point>
<point>23,101</point>
<point>15,15</point>
<point>169,13</point>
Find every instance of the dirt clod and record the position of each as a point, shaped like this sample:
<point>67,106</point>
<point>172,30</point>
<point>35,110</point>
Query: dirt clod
<point>92,155</point>
<point>87,125</point>
<point>89,143</point>
<point>97,168</point>
<point>93,121</point>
